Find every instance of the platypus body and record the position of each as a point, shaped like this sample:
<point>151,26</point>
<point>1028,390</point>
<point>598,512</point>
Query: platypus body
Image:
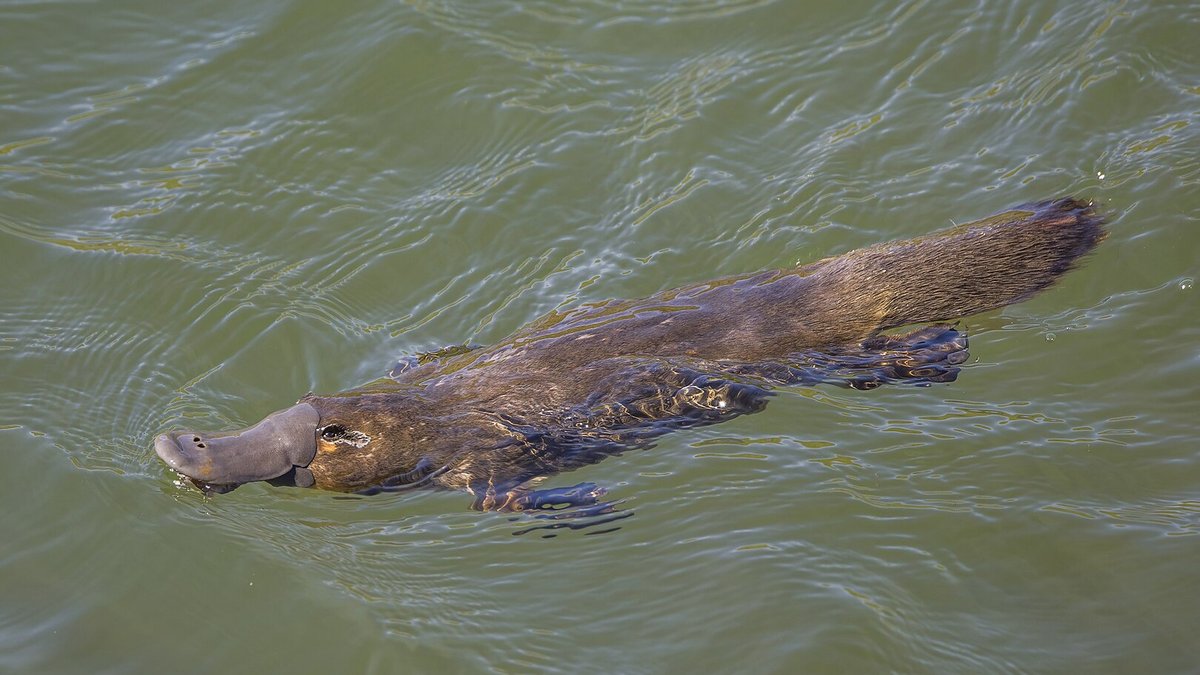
<point>574,387</point>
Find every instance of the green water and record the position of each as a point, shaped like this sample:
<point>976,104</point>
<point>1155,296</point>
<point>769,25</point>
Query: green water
<point>209,209</point>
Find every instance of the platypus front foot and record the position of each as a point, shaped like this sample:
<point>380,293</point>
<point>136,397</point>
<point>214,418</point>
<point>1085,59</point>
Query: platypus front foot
<point>526,499</point>
<point>582,494</point>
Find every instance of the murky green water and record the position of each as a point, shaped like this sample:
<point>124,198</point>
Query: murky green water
<point>209,209</point>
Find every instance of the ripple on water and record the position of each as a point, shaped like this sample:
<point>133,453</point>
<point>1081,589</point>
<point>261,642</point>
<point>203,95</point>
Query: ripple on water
<point>211,215</point>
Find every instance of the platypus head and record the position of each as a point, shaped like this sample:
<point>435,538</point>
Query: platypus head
<point>326,442</point>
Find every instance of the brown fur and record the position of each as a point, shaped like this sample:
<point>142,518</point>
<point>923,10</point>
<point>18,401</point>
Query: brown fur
<point>574,387</point>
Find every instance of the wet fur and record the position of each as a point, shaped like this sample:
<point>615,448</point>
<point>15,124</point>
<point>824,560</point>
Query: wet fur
<point>574,387</point>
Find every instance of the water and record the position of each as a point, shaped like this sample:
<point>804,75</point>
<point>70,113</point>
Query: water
<point>207,210</point>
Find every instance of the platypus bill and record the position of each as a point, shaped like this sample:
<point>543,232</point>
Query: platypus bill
<point>572,388</point>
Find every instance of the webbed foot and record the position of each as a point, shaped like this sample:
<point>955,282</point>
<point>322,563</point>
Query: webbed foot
<point>525,499</point>
<point>574,508</point>
<point>920,357</point>
<point>582,494</point>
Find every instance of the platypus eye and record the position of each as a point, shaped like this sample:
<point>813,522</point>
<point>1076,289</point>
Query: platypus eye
<point>336,433</point>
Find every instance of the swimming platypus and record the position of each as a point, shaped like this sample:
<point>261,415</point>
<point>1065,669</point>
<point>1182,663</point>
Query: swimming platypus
<point>577,386</point>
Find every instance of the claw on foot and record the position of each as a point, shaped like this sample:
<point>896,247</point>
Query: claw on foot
<point>524,499</point>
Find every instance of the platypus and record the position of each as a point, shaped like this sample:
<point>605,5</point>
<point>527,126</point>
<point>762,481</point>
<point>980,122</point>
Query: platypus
<point>574,387</point>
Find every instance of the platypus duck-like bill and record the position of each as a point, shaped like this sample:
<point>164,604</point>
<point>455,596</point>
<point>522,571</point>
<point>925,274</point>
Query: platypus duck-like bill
<point>574,387</point>
<point>283,443</point>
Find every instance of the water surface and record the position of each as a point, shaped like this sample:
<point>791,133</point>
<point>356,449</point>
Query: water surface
<point>207,210</point>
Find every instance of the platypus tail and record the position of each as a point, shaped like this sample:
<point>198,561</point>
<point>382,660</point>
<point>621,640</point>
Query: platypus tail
<point>964,270</point>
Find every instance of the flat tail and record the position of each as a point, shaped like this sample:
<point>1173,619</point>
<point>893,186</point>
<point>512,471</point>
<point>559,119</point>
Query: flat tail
<point>968,269</point>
